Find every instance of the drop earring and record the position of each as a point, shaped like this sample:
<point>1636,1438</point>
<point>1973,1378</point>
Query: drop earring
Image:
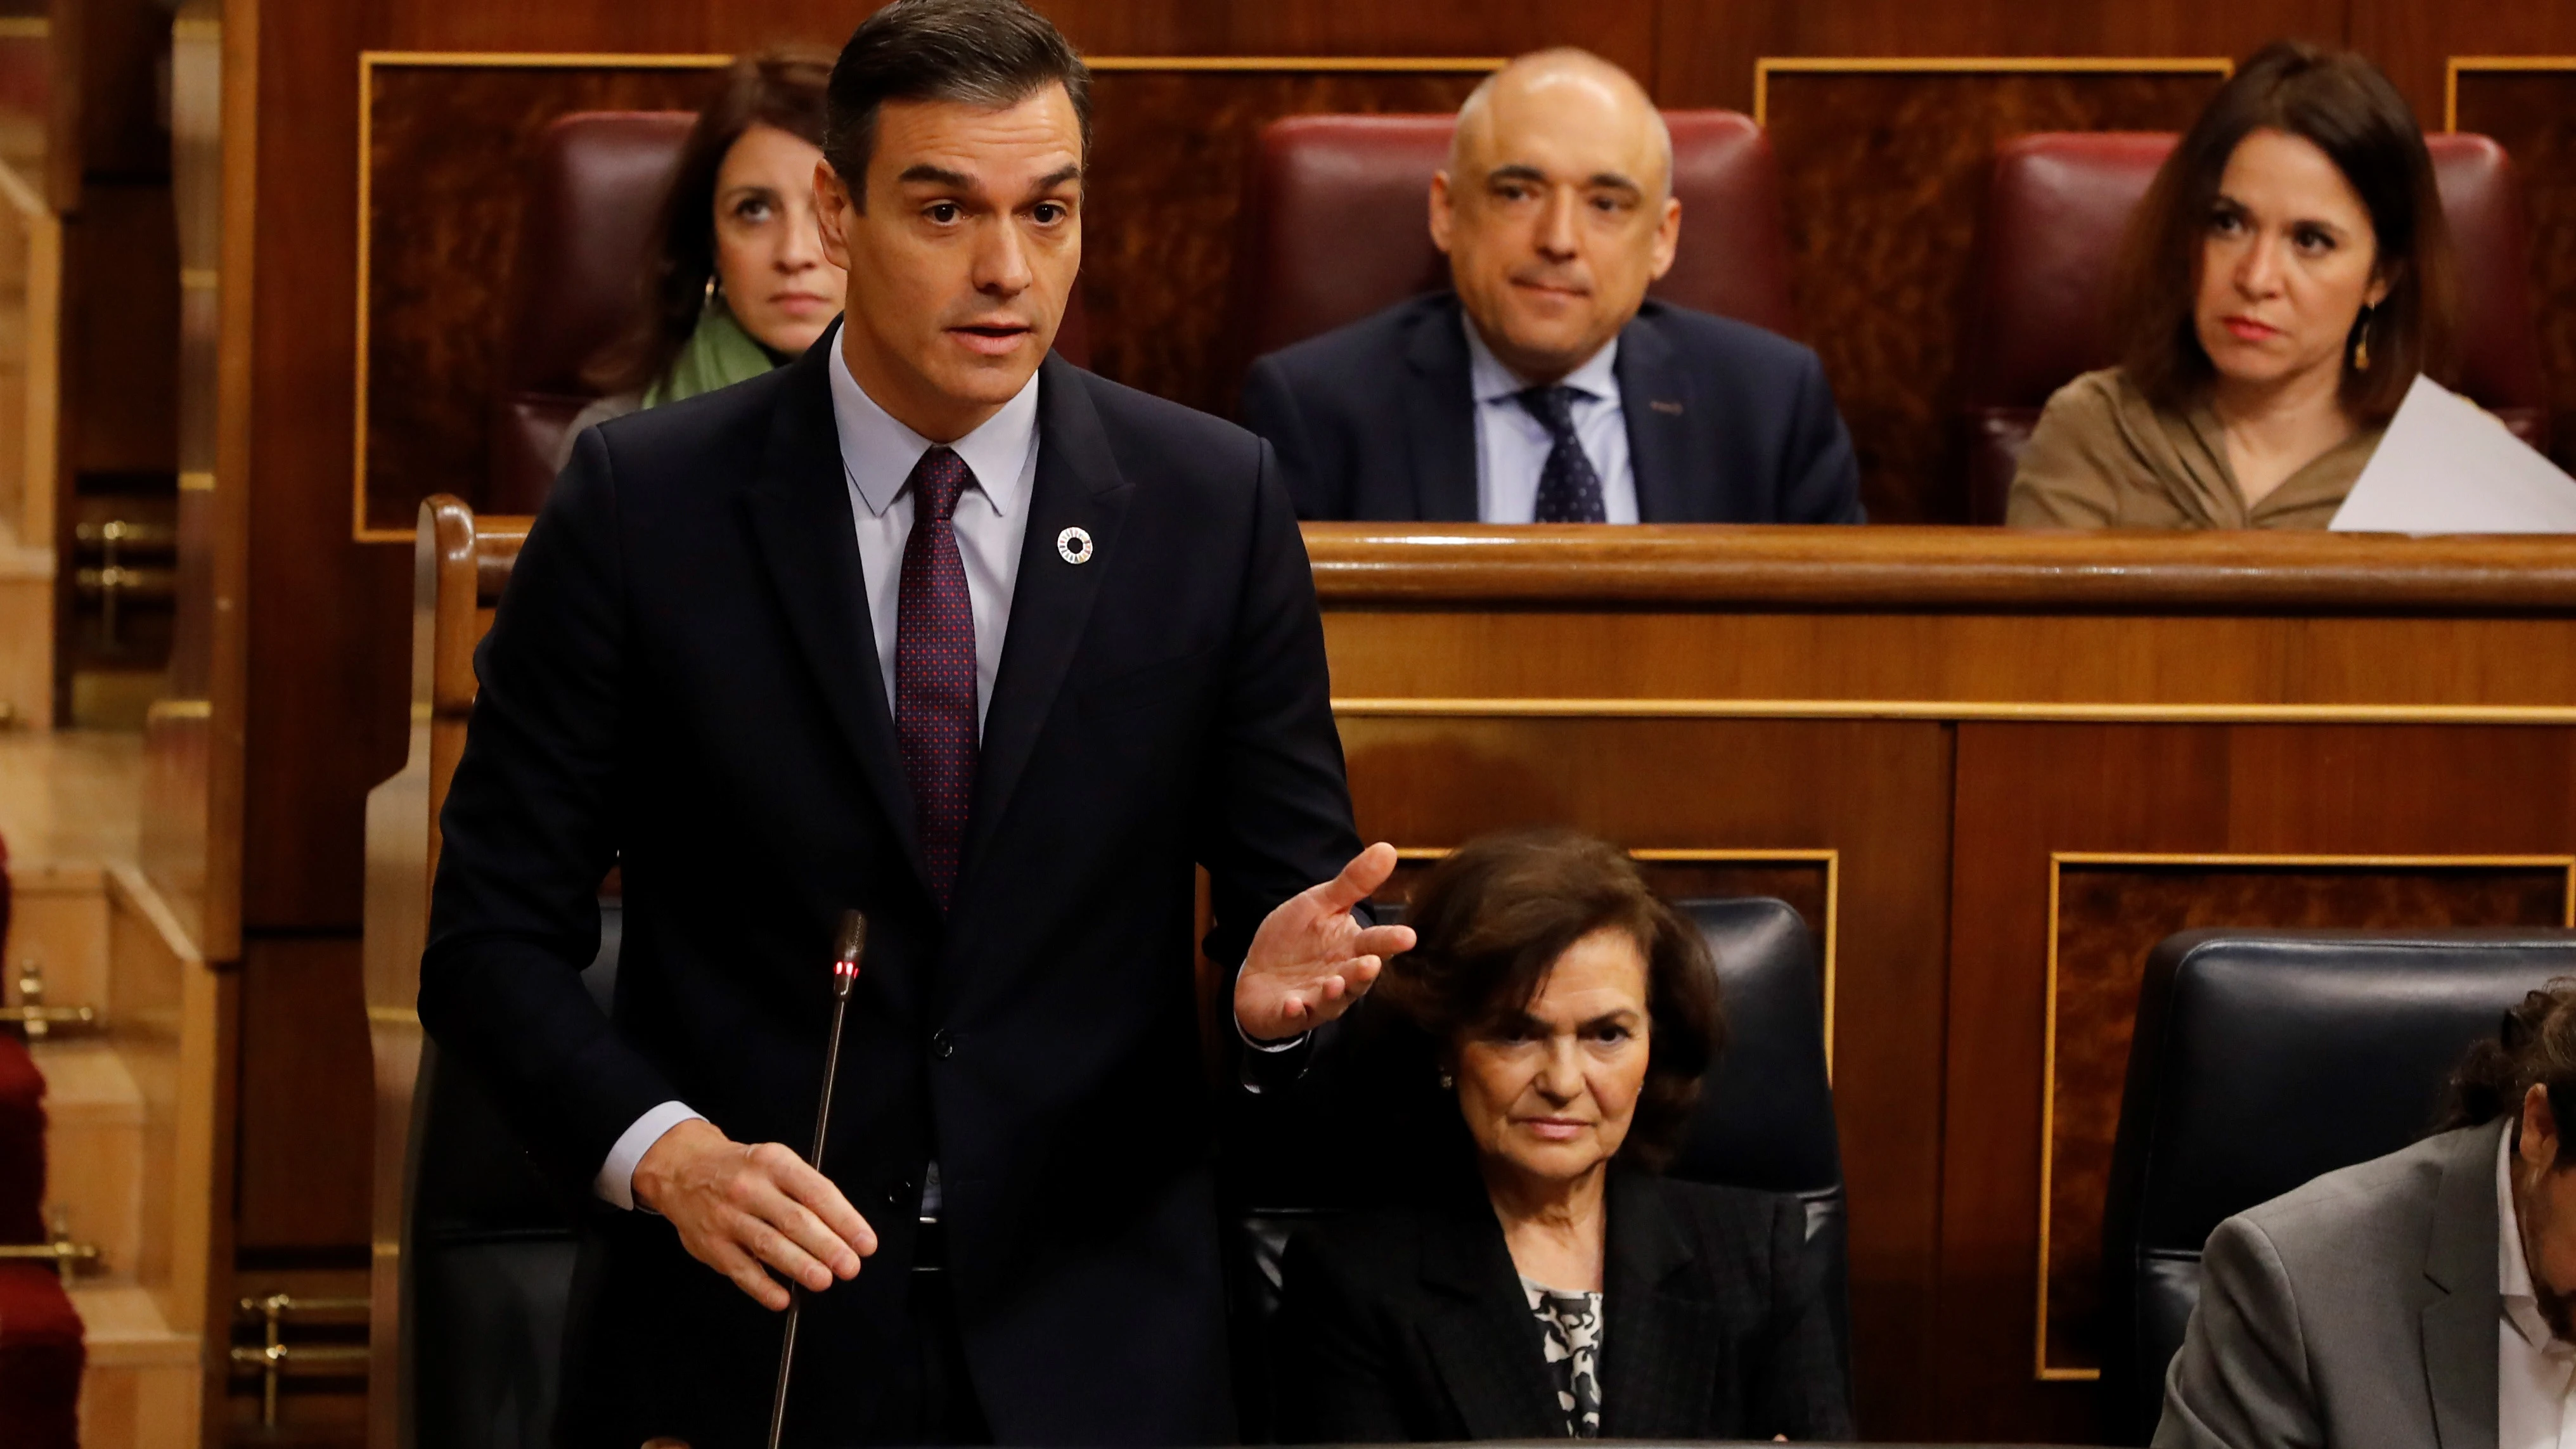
<point>1447,1081</point>
<point>2361,342</point>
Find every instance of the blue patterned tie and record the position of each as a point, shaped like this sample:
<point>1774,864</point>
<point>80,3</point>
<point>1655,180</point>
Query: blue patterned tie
<point>1568,490</point>
<point>934,667</point>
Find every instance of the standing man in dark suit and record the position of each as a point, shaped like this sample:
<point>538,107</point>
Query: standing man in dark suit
<point>1546,388</point>
<point>931,624</point>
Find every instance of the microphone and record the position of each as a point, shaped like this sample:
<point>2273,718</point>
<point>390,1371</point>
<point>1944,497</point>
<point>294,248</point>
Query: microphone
<point>845,975</point>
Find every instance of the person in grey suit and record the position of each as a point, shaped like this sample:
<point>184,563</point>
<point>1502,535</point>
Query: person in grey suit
<point>2418,1299</point>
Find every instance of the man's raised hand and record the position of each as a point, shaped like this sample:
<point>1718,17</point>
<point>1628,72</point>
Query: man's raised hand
<point>738,1207</point>
<point>1310,960</point>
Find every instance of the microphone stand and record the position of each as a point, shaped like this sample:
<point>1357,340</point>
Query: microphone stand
<point>845,974</point>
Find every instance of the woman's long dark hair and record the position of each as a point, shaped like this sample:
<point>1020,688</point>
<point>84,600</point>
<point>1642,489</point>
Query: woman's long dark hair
<point>2341,104</point>
<point>779,88</point>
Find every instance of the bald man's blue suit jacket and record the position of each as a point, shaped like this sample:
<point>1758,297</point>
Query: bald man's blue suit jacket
<point>1727,423</point>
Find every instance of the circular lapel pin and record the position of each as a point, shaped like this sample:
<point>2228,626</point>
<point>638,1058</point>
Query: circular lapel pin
<point>1073,546</point>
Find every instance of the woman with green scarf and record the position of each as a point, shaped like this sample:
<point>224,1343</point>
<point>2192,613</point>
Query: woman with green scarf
<point>739,284</point>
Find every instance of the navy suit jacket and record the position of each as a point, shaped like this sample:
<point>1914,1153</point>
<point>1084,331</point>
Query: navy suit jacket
<point>1727,423</point>
<point>682,679</point>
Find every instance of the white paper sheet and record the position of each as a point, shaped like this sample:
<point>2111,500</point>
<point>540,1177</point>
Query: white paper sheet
<point>2448,466</point>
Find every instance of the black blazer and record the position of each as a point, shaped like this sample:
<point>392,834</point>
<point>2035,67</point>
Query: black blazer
<point>1411,1325</point>
<point>682,679</point>
<point>1727,423</point>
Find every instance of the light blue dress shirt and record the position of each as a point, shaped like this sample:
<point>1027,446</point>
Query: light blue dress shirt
<point>1512,445</point>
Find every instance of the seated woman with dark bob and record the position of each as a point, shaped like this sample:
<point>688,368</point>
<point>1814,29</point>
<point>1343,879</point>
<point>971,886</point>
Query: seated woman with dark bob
<point>2282,285</point>
<point>1554,1284</point>
<point>737,282</point>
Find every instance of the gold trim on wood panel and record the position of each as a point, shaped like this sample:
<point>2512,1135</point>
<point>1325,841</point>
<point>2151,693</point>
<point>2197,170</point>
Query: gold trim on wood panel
<point>1399,64</point>
<point>2453,68</point>
<point>370,60</point>
<point>1949,711</point>
<point>1831,859</point>
<point>2057,861</point>
<point>25,27</point>
<point>1770,65</point>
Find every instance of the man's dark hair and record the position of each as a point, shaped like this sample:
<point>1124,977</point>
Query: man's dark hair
<point>1491,921</point>
<point>2341,104</point>
<point>994,53</point>
<point>2534,1047</point>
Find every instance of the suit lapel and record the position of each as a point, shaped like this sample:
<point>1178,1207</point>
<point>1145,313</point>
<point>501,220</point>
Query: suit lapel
<point>1655,400</point>
<point>1078,486</point>
<point>799,507</point>
<point>2459,1325</point>
<point>1658,1347</point>
<point>1440,415</point>
<point>1483,1340</point>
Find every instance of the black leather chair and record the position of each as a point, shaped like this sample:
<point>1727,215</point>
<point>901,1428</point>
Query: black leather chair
<point>1765,1121</point>
<point>2263,1059</point>
<point>488,1265</point>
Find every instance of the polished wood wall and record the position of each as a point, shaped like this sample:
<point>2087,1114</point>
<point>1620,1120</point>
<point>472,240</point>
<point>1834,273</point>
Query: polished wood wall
<point>1880,225</point>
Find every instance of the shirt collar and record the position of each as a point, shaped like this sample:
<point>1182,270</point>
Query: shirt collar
<point>1494,382</point>
<point>878,453</point>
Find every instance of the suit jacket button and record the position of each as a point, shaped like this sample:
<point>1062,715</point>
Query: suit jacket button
<point>941,1047</point>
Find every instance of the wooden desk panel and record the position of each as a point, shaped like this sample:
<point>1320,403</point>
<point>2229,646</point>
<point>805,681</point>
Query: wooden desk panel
<point>1953,713</point>
<point>1929,739</point>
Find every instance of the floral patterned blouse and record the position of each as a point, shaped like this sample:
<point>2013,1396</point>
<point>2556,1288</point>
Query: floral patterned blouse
<point>1570,1329</point>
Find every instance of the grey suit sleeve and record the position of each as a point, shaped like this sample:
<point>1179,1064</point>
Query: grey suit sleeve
<point>1821,474</point>
<point>1270,410</point>
<point>2241,1379</point>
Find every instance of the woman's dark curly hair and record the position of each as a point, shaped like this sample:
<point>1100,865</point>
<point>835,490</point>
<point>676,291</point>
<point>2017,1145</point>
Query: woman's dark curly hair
<point>2534,1047</point>
<point>1492,919</point>
<point>783,89</point>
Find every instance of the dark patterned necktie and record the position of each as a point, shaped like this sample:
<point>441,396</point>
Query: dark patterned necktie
<point>934,667</point>
<point>1568,490</point>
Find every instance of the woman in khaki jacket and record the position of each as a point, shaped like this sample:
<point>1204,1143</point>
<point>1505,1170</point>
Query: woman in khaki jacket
<point>2286,278</point>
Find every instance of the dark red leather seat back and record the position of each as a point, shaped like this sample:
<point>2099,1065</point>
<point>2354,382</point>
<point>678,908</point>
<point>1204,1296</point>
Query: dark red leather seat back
<point>595,192</point>
<point>2050,237</point>
<point>1335,223</point>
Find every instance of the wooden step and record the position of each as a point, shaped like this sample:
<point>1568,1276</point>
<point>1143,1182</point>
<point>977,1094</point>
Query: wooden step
<point>94,1122</point>
<point>26,632</point>
<point>58,923</point>
<point>142,1388</point>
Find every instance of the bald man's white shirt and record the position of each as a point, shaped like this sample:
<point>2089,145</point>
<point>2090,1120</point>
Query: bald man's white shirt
<point>1512,445</point>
